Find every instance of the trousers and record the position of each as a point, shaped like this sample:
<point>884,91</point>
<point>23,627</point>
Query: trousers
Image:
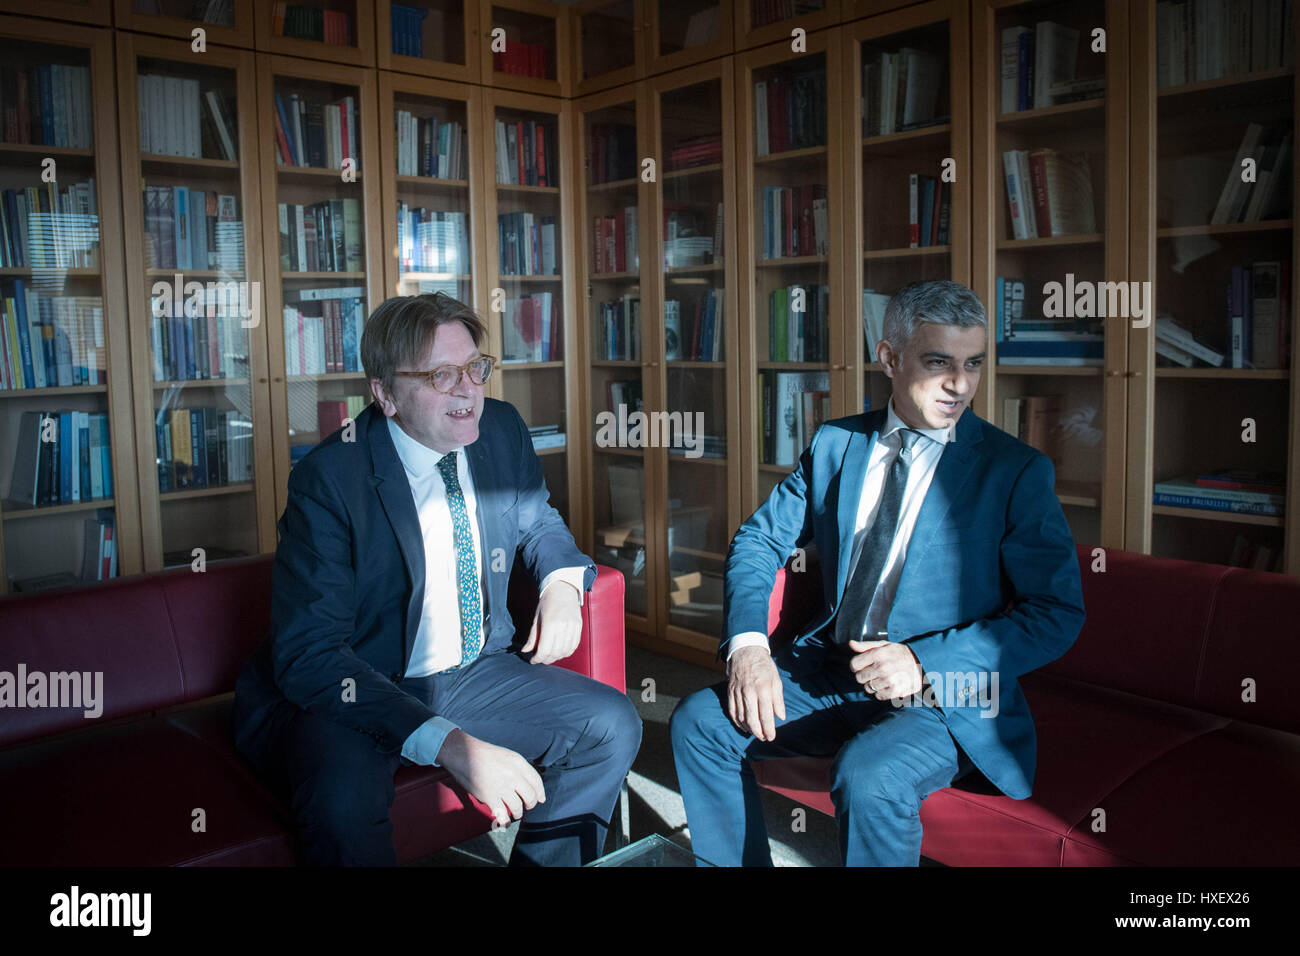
<point>888,759</point>
<point>582,736</point>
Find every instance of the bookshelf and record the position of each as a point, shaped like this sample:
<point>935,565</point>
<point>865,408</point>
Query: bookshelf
<point>619,511</point>
<point>227,22</point>
<point>606,43</point>
<point>680,33</point>
<point>533,54</point>
<point>789,301</point>
<point>321,229</point>
<point>758,22</point>
<point>1056,372</point>
<point>194,287</point>
<point>911,140</point>
<point>90,12</point>
<point>340,31</point>
<point>694,349</point>
<point>65,399</point>
<point>434,38</point>
<point>1202,104</point>
<point>530,274</point>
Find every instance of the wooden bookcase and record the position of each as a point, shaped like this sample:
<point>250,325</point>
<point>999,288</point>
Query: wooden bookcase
<point>90,12</point>
<point>759,22</point>
<point>70,269</point>
<point>269,31</point>
<point>322,296</point>
<point>198,359</point>
<point>449,45</point>
<point>174,20</point>
<point>679,33</point>
<point>607,44</point>
<point>523,285</point>
<point>540,28</point>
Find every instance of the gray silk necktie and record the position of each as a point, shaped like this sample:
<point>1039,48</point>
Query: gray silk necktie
<point>861,587</point>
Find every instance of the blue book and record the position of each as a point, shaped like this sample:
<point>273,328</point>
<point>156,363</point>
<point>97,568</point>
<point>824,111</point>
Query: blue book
<point>164,472</point>
<point>349,334</point>
<point>18,293</point>
<point>64,493</point>
<point>284,124</point>
<point>83,461</point>
<point>1017,347</point>
<point>198,450</point>
<point>106,452</point>
<point>1025,94</point>
<point>47,108</point>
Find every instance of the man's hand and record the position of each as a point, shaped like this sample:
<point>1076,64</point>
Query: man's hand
<point>557,625</point>
<point>500,778</point>
<point>888,669</point>
<point>754,698</point>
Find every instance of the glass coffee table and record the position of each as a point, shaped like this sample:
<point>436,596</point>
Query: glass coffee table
<point>653,850</point>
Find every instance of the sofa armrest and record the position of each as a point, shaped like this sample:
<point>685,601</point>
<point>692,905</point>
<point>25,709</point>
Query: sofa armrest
<point>600,654</point>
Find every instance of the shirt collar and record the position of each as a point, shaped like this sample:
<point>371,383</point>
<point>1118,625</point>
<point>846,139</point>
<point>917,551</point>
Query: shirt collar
<point>893,423</point>
<point>417,458</point>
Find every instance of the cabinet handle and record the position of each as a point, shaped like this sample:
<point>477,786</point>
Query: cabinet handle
<point>1113,372</point>
<point>277,379</point>
<point>261,381</point>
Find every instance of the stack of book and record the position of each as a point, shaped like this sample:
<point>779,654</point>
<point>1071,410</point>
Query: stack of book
<point>332,414</point>
<point>47,105</point>
<point>322,237</point>
<point>196,344</point>
<point>794,406</point>
<point>546,436</point>
<point>1236,491</point>
<point>620,325</point>
<point>1180,347</point>
<point>430,240</point>
<point>429,146</point>
<point>1268,195</point>
<point>1034,419</point>
<point>178,118</point>
<point>408,28</point>
<point>795,221</point>
<point>790,112</point>
<point>311,23</point>
<point>902,91</point>
<point>61,458</point>
<point>693,328</point>
<point>615,245</point>
<point>45,226</point>
<point>1207,39</point>
<point>695,151</point>
<point>798,335</point>
<point>1024,338</point>
<point>763,12</point>
<point>203,448</point>
<point>521,59</point>
<point>192,229</point>
<point>99,553</point>
<point>929,207</point>
<point>689,238</point>
<point>49,341</point>
<point>1049,193</point>
<point>314,133</point>
<point>526,153</point>
<point>322,330</point>
<point>1249,553</point>
<point>612,154</point>
<point>1038,68</point>
<point>526,244</point>
<point>531,328</point>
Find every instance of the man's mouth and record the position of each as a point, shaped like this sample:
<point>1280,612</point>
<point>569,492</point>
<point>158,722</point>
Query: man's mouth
<point>461,413</point>
<point>951,406</point>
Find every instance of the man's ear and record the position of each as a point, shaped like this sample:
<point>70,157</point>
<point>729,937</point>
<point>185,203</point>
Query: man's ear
<point>886,355</point>
<point>383,397</point>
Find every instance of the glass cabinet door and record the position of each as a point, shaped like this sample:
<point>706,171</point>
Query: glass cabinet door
<point>190,159</point>
<point>228,22</point>
<point>527,299</point>
<point>1051,109</point>
<point>615,328</point>
<point>526,46</point>
<point>341,31</point>
<point>432,37</point>
<point>607,40</point>
<point>698,421</point>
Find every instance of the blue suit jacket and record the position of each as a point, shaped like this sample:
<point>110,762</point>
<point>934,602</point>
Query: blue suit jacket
<point>348,580</point>
<point>991,580</point>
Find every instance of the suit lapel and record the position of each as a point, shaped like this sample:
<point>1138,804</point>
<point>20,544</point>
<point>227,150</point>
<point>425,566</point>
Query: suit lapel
<point>389,479</point>
<point>853,472</point>
<point>481,473</point>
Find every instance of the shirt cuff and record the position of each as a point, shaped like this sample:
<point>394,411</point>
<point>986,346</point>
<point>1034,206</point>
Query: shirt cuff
<point>575,576</point>
<point>426,740</point>
<point>747,639</point>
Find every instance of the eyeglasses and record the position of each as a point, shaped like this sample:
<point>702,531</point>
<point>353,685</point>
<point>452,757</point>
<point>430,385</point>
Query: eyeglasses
<point>444,378</point>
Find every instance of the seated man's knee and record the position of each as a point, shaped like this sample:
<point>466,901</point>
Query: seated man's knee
<point>342,799</point>
<point>693,716</point>
<point>862,775</point>
<point>616,722</point>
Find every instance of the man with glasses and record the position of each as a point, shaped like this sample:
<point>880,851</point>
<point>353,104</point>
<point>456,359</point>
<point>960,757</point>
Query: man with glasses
<point>390,639</point>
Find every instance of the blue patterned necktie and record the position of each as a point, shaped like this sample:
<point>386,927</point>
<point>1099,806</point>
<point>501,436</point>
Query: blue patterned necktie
<point>467,584</point>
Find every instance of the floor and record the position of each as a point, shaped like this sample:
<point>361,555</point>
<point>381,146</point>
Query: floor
<point>656,805</point>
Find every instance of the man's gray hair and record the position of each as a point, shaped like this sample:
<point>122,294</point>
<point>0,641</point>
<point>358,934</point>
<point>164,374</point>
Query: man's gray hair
<point>939,300</point>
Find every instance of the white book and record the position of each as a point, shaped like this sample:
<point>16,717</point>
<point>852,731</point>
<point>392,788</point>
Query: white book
<point>34,334</point>
<point>1011,416</point>
<point>1056,49</point>
<point>1233,186</point>
<point>1174,353</point>
<point>95,423</point>
<point>1016,194</point>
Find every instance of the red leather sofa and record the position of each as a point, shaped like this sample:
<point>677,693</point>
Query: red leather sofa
<point>123,788</point>
<point>1145,728</point>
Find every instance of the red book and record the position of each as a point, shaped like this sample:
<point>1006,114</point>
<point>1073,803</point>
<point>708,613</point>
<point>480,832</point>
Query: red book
<point>540,156</point>
<point>597,260</point>
<point>519,152</point>
<point>106,553</point>
<point>283,141</point>
<point>934,221</point>
<point>557,332</point>
<point>620,242</point>
<point>330,416</point>
<point>1038,183</point>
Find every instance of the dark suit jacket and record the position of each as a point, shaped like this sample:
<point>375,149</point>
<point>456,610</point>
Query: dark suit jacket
<point>348,581</point>
<point>991,581</point>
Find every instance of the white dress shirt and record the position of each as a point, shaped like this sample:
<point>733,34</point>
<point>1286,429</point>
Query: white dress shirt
<point>925,458</point>
<point>438,638</point>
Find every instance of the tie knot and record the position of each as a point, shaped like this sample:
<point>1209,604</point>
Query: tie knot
<point>447,466</point>
<point>908,437</point>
